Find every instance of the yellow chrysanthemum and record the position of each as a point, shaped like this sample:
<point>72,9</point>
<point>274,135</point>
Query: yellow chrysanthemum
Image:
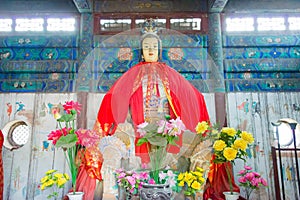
<point>200,169</point>
<point>181,183</point>
<point>229,131</point>
<point>180,176</point>
<point>61,181</point>
<point>50,171</point>
<point>58,175</point>
<point>201,179</point>
<point>49,183</point>
<point>43,186</point>
<point>198,174</point>
<point>66,176</point>
<point>188,177</point>
<point>230,153</point>
<point>202,127</point>
<point>189,183</point>
<point>240,144</point>
<point>219,145</point>
<point>196,185</point>
<point>247,137</point>
<point>44,179</point>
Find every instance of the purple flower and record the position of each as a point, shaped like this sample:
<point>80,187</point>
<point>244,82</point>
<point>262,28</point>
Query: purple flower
<point>122,175</point>
<point>131,180</point>
<point>119,170</point>
<point>144,175</point>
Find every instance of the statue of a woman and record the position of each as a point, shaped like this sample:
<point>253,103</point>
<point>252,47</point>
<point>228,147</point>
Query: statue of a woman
<point>150,90</point>
<point>147,92</point>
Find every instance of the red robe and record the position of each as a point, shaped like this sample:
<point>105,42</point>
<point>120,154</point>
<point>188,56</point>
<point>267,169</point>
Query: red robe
<point>183,98</point>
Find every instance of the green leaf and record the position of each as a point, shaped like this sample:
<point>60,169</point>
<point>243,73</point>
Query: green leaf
<point>66,118</point>
<point>67,141</point>
<point>158,141</point>
<point>141,141</point>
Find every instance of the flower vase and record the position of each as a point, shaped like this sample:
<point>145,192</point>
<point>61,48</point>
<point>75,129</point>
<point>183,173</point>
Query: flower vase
<point>76,196</point>
<point>231,195</point>
<point>189,197</point>
<point>130,196</point>
<point>155,191</point>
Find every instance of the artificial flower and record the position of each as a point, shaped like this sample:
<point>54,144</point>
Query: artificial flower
<point>159,134</point>
<point>55,180</point>
<point>250,180</point>
<point>70,139</point>
<point>191,181</point>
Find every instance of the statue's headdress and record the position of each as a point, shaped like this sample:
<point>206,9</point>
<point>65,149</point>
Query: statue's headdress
<point>149,26</point>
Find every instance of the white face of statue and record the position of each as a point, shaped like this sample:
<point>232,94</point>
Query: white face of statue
<point>150,49</point>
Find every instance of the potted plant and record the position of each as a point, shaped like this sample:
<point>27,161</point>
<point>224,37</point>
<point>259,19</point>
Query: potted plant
<point>229,145</point>
<point>54,180</point>
<point>159,135</point>
<point>71,140</point>
<point>130,182</point>
<point>191,182</point>
<point>250,180</point>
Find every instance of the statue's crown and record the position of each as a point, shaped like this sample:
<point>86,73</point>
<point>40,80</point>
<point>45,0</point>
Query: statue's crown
<point>149,26</point>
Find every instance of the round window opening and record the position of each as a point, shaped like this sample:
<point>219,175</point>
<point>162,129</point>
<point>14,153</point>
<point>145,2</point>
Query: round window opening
<point>16,134</point>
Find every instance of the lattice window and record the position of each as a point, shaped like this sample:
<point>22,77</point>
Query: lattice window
<point>240,24</point>
<point>115,24</point>
<point>6,25</point>
<point>270,24</point>
<point>61,24</point>
<point>25,24</point>
<point>185,24</point>
<point>294,23</point>
<point>160,23</point>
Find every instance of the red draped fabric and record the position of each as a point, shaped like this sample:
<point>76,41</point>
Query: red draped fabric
<point>89,172</point>
<point>218,182</point>
<point>183,98</point>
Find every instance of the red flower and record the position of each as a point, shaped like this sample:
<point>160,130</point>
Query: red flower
<point>55,135</point>
<point>71,105</point>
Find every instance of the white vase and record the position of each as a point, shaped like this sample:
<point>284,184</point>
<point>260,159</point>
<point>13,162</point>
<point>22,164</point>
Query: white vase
<point>231,196</point>
<point>76,196</point>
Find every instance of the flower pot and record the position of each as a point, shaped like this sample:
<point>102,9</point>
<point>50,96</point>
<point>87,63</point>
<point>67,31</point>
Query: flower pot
<point>76,196</point>
<point>231,196</point>
<point>155,191</point>
<point>189,197</point>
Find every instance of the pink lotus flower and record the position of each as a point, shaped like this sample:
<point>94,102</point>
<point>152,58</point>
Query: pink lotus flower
<point>71,105</point>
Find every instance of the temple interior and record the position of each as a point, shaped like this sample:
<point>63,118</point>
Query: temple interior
<point>229,63</point>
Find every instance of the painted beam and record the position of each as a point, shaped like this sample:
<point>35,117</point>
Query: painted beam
<point>84,6</point>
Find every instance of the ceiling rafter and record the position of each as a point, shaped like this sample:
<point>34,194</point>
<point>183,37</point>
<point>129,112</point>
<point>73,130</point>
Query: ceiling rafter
<point>217,5</point>
<point>84,6</point>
